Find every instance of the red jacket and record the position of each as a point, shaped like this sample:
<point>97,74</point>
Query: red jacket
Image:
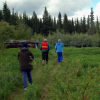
<point>44,45</point>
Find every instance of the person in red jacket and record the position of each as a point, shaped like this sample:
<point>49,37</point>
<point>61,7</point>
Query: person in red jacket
<point>45,47</point>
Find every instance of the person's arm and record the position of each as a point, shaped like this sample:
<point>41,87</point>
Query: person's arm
<point>40,47</point>
<point>62,44</point>
<point>48,47</point>
<point>32,55</point>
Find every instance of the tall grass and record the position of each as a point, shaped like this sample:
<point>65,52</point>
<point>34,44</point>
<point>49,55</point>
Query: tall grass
<point>76,78</point>
<point>9,73</point>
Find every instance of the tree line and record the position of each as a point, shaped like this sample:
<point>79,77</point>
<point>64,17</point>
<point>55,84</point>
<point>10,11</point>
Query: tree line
<point>47,25</point>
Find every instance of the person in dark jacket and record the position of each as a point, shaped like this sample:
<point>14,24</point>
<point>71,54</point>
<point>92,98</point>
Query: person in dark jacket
<point>59,50</point>
<point>25,58</point>
<point>45,47</point>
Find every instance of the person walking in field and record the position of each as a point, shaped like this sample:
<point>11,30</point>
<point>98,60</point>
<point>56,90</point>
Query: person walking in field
<point>59,50</point>
<point>45,47</point>
<point>25,57</point>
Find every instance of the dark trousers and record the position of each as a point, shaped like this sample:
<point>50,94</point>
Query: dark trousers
<point>45,55</point>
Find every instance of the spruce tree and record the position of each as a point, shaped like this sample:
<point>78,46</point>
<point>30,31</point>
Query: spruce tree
<point>25,18</point>
<point>45,29</point>
<point>50,24</point>
<point>59,21</point>
<point>37,27</point>
<point>72,25</point>
<point>77,26</point>
<point>54,25</point>
<point>34,22</point>
<point>6,13</point>
<point>40,26</point>
<point>97,25</point>
<point>84,25</point>
<point>88,22</point>
<point>92,27</point>
<point>1,15</point>
<point>13,18</point>
<point>65,23</point>
<point>69,26</point>
<point>81,22</point>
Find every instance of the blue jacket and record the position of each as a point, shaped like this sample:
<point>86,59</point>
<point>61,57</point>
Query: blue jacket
<point>58,47</point>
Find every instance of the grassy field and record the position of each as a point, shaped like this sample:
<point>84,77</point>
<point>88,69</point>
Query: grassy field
<point>76,78</point>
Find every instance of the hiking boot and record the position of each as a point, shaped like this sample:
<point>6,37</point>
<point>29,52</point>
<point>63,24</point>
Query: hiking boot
<point>25,89</point>
<point>43,62</point>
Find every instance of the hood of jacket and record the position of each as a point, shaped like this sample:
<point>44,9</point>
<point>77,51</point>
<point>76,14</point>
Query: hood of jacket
<point>24,49</point>
<point>58,47</point>
<point>58,43</point>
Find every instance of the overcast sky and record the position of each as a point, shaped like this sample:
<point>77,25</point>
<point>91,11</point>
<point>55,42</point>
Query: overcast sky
<point>73,8</point>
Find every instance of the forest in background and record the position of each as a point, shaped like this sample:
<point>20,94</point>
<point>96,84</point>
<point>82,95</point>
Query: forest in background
<point>72,32</point>
<point>49,24</point>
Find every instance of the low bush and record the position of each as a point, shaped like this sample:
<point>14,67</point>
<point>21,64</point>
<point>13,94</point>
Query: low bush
<point>77,40</point>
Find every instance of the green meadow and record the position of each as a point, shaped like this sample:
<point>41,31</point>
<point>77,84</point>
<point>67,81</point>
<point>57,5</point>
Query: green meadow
<point>76,78</point>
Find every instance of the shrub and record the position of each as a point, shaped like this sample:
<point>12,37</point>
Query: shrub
<point>37,37</point>
<point>77,40</point>
<point>6,32</point>
<point>23,32</point>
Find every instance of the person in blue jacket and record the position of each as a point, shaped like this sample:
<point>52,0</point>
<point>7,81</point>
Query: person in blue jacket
<point>59,50</point>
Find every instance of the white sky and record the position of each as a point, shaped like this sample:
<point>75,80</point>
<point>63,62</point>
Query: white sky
<point>86,12</point>
<point>73,8</point>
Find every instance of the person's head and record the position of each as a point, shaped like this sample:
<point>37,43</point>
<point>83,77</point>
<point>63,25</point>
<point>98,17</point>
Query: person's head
<point>25,45</point>
<point>45,40</point>
<point>59,40</point>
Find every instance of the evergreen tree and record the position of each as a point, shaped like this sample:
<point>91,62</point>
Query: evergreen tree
<point>65,23</point>
<point>13,18</point>
<point>88,22</point>
<point>1,15</point>
<point>69,26</point>
<point>25,18</point>
<point>97,25</point>
<point>6,13</point>
<point>45,29</point>
<point>37,27</point>
<point>92,17</point>
<point>40,26</point>
<point>54,25</point>
<point>30,22</point>
<point>77,26</point>
<point>50,23</point>
<point>59,21</point>
<point>92,27</point>
<point>84,25</point>
<point>72,25</point>
<point>81,22</point>
<point>34,22</point>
